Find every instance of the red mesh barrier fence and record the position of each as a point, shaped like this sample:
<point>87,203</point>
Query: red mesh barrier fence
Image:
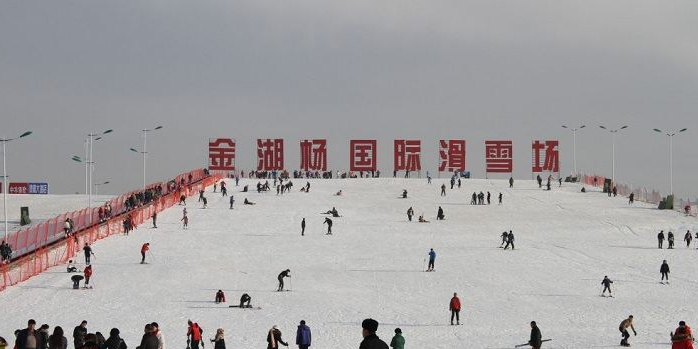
<point>44,245</point>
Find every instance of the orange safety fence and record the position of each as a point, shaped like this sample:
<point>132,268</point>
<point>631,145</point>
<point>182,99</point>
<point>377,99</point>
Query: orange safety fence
<point>47,246</point>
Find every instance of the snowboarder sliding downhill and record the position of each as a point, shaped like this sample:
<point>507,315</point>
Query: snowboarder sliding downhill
<point>144,250</point>
<point>329,225</point>
<point>454,307</point>
<point>664,270</point>
<point>281,277</point>
<point>623,328</point>
<point>432,258</point>
<point>606,286</point>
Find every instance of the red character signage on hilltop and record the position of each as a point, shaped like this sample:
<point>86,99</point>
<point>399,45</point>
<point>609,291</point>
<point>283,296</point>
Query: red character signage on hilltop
<point>314,155</point>
<point>546,156</point>
<point>270,154</point>
<point>221,154</point>
<point>499,157</point>
<point>452,155</point>
<point>407,155</point>
<point>362,155</point>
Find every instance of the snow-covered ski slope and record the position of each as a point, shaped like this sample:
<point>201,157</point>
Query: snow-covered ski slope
<point>566,241</point>
<point>45,207</point>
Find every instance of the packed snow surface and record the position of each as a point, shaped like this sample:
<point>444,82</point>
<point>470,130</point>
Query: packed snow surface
<point>373,266</point>
<point>45,207</point>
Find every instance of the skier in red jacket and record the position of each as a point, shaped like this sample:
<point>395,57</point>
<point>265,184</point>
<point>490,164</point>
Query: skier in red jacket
<point>88,274</point>
<point>454,306</point>
<point>144,249</point>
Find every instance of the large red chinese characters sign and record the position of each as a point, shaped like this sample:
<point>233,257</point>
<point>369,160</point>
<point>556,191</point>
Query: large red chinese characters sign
<point>407,155</point>
<point>270,154</point>
<point>546,156</point>
<point>452,155</point>
<point>499,156</point>
<point>221,154</point>
<point>314,155</point>
<point>362,155</point>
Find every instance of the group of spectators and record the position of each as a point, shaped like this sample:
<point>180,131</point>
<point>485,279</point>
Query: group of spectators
<point>33,338</point>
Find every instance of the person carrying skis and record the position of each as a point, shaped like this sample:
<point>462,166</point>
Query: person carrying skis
<point>194,334</point>
<point>510,240</point>
<point>443,189</point>
<point>88,274</point>
<point>454,307</point>
<point>329,225</point>
<point>682,337</point>
<point>432,258</point>
<point>88,252</point>
<point>274,338</point>
<point>536,339</point>
<point>670,239</point>
<point>232,201</point>
<point>245,298</point>
<point>623,328</point>
<point>606,286</point>
<point>664,270</point>
<point>303,227</point>
<point>144,249</point>
<point>398,342</point>
<point>440,214</point>
<point>660,238</point>
<point>281,277</point>
<point>303,336</point>
<point>410,213</point>
<point>220,297</point>
<point>688,237</point>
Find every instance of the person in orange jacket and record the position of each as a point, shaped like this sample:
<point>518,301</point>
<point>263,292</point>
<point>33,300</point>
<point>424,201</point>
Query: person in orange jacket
<point>682,338</point>
<point>88,274</point>
<point>145,248</point>
<point>454,307</point>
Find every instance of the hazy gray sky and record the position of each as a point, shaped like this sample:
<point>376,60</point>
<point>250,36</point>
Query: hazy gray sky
<point>340,70</point>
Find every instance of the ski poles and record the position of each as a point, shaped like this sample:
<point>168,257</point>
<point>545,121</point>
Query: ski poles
<point>151,255</point>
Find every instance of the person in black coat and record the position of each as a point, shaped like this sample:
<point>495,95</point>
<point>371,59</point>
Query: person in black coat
<point>21,342</point>
<point>79,334</point>
<point>664,270</point>
<point>42,337</point>
<point>149,340</point>
<point>660,238</point>
<point>371,341</point>
<point>114,341</point>
<point>219,341</point>
<point>281,277</point>
<point>536,339</point>
<point>57,340</point>
<point>440,214</point>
